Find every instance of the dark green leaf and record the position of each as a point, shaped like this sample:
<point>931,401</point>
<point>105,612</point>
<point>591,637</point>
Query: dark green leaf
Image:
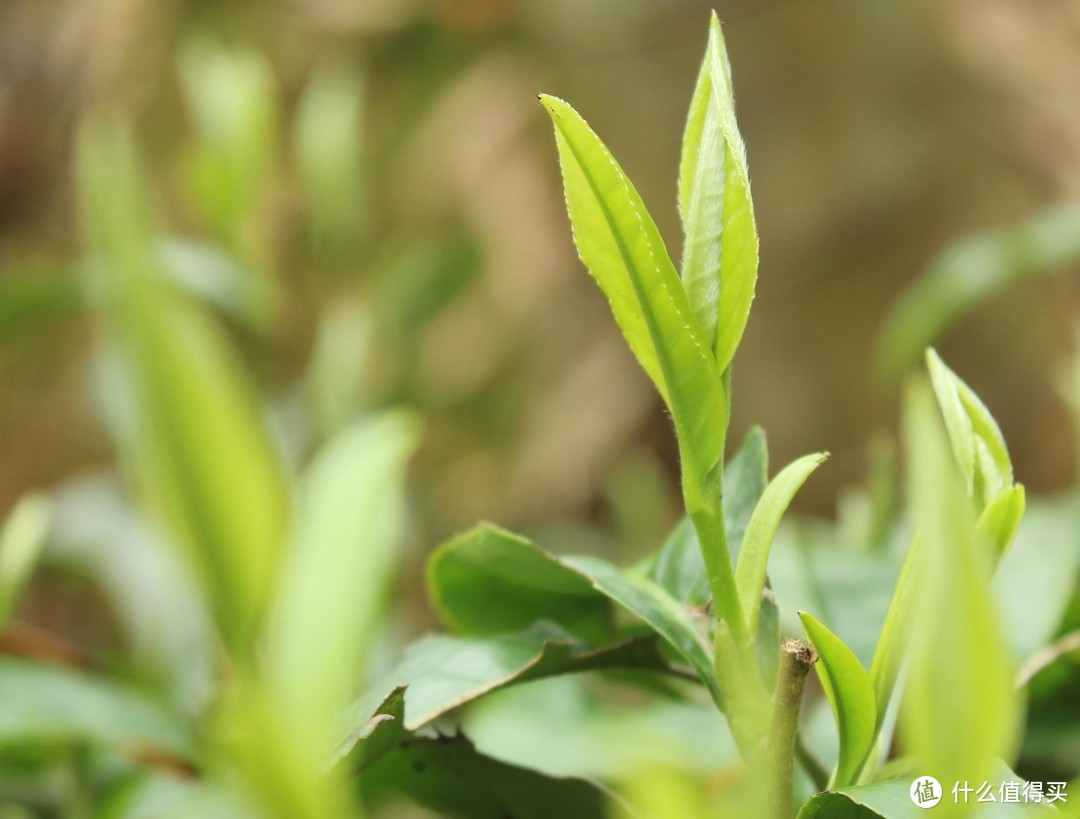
<point>491,581</point>
<point>448,775</point>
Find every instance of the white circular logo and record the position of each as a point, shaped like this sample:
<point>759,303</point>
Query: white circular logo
<point>925,791</point>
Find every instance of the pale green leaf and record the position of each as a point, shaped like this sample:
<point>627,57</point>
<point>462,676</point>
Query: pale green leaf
<point>976,440</point>
<point>754,555</point>
<point>620,245</point>
<point>847,685</point>
<point>720,256</point>
<point>958,729</point>
<point>186,417</point>
<point>347,531</point>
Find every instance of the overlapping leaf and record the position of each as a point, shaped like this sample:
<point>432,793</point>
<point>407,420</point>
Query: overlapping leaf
<point>489,581</point>
<point>976,441</point>
<point>956,730</point>
<point>720,256</point>
<point>623,250</point>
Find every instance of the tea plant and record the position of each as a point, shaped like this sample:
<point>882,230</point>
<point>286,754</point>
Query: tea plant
<point>277,572</point>
<point>700,607</point>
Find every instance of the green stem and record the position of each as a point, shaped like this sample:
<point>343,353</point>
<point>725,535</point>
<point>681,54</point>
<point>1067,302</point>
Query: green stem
<point>709,525</point>
<point>779,769</point>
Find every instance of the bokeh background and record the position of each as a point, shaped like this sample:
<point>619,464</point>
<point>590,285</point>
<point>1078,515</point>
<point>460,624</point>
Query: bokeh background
<point>378,190</point>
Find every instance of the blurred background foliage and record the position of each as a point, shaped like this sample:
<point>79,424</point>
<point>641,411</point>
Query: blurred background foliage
<point>367,195</point>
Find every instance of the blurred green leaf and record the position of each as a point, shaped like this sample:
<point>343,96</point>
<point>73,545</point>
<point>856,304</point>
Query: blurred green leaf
<point>21,541</point>
<point>622,248</point>
<point>848,688</point>
<point>150,594</point>
<point>328,143</point>
<point>340,365</point>
<point>976,440</point>
<point>577,725</point>
<point>448,775</point>
<point>184,413</point>
<point>956,730</point>
<point>347,530</point>
<point>31,291</point>
<point>679,566</point>
<point>53,705</point>
<point>754,555</point>
<point>211,274</point>
<point>490,581</point>
<point>165,797</point>
<point>1039,575</point>
<point>440,672</point>
<point>720,256</point>
<point>971,271</point>
<point>231,95</point>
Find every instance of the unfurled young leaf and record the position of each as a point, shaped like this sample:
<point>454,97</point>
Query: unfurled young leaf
<point>847,685</point>
<point>720,256</point>
<point>188,420</point>
<point>976,440</point>
<point>754,555</point>
<point>959,713</point>
<point>620,245</point>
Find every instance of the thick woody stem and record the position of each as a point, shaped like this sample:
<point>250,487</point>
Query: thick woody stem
<point>795,661</point>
